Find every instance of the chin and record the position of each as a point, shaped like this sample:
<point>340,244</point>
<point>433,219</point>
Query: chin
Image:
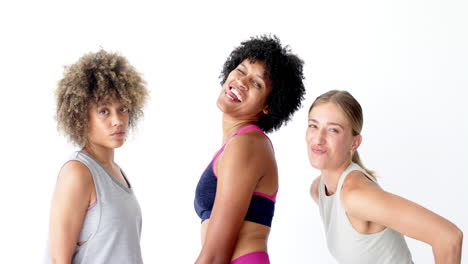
<point>222,104</point>
<point>317,164</point>
<point>116,145</point>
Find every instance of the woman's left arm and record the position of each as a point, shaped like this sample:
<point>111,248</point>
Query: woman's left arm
<point>365,200</point>
<point>239,169</point>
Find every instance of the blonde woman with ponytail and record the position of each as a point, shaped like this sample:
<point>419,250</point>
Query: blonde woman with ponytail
<point>363,223</point>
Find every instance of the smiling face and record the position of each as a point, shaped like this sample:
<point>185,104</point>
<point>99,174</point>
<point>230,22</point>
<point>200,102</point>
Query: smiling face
<point>108,123</point>
<point>329,137</point>
<point>245,91</point>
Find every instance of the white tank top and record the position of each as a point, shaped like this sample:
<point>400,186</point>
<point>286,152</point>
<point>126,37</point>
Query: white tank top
<point>112,226</point>
<point>351,247</point>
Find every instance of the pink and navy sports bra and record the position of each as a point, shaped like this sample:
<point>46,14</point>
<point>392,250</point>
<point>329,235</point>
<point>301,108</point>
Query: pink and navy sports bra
<point>262,206</point>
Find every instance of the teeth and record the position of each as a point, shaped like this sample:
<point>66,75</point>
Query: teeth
<point>234,91</point>
<point>230,97</point>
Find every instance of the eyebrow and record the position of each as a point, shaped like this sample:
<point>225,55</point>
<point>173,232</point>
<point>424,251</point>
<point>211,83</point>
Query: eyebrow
<point>100,104</point>
<point>258,75</point>
<point>328,123</point>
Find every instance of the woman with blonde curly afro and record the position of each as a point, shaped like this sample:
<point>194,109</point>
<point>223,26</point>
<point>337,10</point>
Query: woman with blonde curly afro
<point>95,217</point>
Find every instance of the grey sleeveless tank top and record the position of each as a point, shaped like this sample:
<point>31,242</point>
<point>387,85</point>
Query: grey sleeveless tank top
<point>112,226</point>
<point>351,247</point>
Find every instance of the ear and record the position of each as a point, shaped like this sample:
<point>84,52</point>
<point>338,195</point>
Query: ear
<point>356,143</point>
<point>265,110</point>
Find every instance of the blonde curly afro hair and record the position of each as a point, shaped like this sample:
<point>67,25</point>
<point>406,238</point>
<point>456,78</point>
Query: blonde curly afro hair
<point>96,77</point>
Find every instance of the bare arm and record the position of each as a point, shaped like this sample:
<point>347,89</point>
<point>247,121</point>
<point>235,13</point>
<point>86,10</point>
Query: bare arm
<point>239,170</point>
<point>314,189</point>
<point>69,203</point>
<point>365,200</point>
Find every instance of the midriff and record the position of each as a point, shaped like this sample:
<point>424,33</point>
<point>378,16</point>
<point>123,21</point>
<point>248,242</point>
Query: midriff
<point>252,237</point>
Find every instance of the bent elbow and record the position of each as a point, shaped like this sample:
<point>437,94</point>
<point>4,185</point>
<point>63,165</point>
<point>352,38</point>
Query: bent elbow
<point>456,245</point>
<point>451,245</point>
<point>455,238</point>
<point>458,237</point>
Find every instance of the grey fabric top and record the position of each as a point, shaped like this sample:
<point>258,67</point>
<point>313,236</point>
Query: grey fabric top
<point>351,247</point>
<point>112,227</point>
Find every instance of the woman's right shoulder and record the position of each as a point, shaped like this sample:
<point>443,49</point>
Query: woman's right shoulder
<point>314,189</point>
<point>76,172</point>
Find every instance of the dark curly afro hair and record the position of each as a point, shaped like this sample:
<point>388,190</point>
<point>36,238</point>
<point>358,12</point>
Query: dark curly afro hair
<point>283,69</point>
<point>96,77</point>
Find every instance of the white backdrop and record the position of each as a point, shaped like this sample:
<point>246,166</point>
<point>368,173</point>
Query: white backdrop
<point>405,61</point>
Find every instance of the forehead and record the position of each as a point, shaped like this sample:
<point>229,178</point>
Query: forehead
<point>329,113</point>
<point>257,66</point>
<point>107,101</point>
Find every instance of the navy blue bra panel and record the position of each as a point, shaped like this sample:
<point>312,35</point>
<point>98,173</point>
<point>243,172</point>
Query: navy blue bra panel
<point>261,209</point>
<point>205,193</point>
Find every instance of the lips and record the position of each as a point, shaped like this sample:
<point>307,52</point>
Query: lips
<point>118,134</point>
<point>234,94</point>
<point>319,151</point>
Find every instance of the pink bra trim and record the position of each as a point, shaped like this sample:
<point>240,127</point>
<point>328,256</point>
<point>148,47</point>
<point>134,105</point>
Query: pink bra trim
<point>273,197</point>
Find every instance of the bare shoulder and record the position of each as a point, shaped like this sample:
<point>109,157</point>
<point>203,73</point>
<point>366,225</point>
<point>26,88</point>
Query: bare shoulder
<point>75,173</point>
<point>248,143</point>
<point>252,137</point>
<point>357,188</point>
<point>246,158</point>
<point>314,189</point>
<point>73,192</point>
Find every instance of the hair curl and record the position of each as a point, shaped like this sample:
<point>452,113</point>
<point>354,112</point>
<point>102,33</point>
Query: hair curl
<point>96,77</point>
<point>282,68</point>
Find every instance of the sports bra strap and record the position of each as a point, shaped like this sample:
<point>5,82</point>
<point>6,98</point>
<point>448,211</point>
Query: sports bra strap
<point>240,131</point>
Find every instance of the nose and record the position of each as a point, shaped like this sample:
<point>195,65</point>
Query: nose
<point>320,138</point>
<point>242,82</point>
<point>315,137</point>
<point>117,119</point>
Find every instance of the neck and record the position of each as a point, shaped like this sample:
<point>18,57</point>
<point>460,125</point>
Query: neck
<point>102,154</point>
<point>231,125</point>
<point>331,176</point>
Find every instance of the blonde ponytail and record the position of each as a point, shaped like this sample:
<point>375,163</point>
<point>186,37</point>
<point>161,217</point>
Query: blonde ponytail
<point>356,159</point>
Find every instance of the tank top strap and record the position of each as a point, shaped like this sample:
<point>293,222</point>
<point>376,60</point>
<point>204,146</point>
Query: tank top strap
<point>351,167</point>
<point>93,168</point>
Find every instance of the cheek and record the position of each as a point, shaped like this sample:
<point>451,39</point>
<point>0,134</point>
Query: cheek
<point>342,146</point>
<point>230,77</point>
<point>126,120</point>
<point>308,136</point>
<point>91,125</point>
<point>95,125</point>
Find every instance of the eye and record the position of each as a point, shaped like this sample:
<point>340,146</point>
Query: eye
<point>241,71</point>
<point>257,84</point>
<point>312,126</point>
<point>123,110</point>
<point>333,130</point>
<point>103,112</point>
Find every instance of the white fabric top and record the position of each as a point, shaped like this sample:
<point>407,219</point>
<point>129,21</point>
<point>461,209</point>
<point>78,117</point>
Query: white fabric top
<point>351,247</point>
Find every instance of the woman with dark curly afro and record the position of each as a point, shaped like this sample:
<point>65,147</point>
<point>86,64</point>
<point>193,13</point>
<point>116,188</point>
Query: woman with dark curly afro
<point>95,217</point>
<point>235,197</point>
